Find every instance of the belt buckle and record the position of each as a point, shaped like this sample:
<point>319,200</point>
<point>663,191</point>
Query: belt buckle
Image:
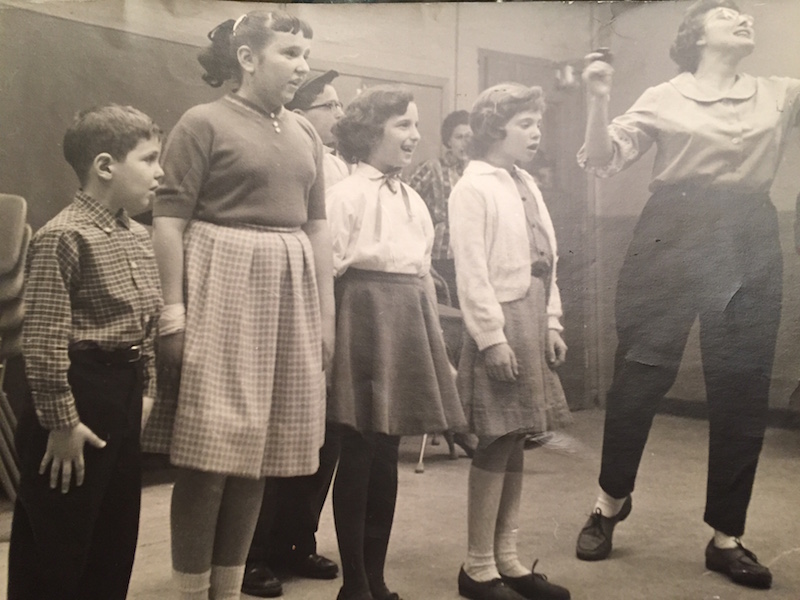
<point>135,353</point>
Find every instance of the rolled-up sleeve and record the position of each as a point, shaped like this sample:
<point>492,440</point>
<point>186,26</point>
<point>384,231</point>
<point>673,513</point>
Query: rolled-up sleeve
<point>632,134</point>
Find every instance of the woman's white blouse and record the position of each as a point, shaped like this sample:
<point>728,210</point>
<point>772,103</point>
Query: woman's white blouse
<point>705,138</point>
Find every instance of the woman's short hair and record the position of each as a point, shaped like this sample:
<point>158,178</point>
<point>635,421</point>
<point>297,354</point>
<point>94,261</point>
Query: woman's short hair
<point>685,51</point>
<point>112,128</point>
<point>361,127</point>
<point>451,121</point>
<point>494,108</point>
<point>254,29</point>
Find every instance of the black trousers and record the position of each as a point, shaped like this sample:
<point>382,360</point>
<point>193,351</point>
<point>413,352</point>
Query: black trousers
<point>291,507</point>
<point>715,256</point>
<point>81,545</point>
<point>364,497</point>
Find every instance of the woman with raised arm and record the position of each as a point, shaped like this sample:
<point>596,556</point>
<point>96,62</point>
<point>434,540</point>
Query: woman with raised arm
<point>705,245</point>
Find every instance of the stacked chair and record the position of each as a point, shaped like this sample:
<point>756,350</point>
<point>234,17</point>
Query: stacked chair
<point>15,235</point>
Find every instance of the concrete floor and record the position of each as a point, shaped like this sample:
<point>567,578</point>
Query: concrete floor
<point>658,551</point>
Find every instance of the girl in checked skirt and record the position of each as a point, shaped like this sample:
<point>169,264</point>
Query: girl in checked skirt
<point>391,375</point>
<point>505,251</point>
<point>244,253</point>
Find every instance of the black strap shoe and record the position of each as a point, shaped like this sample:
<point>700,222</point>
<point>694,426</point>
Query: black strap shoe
<point>496,589</point>
<point>536,587</point>
<point>594,540</point>
<point>260,581</point>
<point>739,564</point>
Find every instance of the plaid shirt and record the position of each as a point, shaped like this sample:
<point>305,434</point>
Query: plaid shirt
<point>434,180</point>
<point>91,281</point>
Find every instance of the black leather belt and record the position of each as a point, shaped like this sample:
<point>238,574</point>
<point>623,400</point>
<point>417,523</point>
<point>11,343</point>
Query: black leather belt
<point>117,356</point>
<point>540,269</point>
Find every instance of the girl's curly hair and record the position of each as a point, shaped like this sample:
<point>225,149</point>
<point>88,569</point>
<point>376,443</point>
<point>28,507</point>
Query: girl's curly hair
<point>494,108</point>
<point>685,51</point>
<point>361,127</point>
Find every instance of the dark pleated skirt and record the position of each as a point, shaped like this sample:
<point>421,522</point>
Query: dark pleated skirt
<point>391,374</point>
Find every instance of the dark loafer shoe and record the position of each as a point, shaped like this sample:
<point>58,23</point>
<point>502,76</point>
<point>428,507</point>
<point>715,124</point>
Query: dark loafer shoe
<point>536,587</point>
<point>260,581</point>
<point>594,541</point>
<point>312,566</point>
<point>739,564</point>
<point>496,589</point>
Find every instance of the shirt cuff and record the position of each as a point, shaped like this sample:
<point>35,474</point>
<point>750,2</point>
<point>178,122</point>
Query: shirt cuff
<point>56,411</point>
<point>490,338</point>
<point>553,322</point>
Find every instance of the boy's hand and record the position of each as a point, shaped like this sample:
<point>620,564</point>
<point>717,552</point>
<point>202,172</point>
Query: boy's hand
<point>501,362</point>
<point>556,349</point>
<point>65,451</point>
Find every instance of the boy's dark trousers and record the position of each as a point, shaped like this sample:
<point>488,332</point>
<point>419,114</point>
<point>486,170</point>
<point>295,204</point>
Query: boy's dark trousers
<point>80,545</point>
<point>291,509</point>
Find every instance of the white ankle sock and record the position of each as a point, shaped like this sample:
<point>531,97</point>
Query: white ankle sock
<point>192,586</point>
<point>226,582</point>
<point>724,541</point>
<point>481,567</point>
<point>608,505</point>
<point>505,553</point>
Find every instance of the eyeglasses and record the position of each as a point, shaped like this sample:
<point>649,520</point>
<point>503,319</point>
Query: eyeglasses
<point>332,105</point>
<point>724,13</point>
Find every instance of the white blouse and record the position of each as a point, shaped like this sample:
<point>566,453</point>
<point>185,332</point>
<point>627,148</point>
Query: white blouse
<point>377,229</point>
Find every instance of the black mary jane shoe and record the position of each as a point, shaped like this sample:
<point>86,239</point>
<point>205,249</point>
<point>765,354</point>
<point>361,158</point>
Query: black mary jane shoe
<point>496,589</point>
<point>260,581</point>
<point>739,564</point>
<point>536,587</point>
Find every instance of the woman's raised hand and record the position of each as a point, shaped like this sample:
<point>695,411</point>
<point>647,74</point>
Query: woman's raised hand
<point>598,74</point>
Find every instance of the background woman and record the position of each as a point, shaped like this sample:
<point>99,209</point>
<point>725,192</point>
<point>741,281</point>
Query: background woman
<point>243,249</point>
<point>706,244</point>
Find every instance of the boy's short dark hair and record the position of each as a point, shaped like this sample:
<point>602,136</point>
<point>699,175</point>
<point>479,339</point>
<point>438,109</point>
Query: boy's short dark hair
<point>684,50</point>
<point>361,127</point>
<point>451,121</point>
<point>111,128</point>
<point>494,108</point>
<point>312,87</point>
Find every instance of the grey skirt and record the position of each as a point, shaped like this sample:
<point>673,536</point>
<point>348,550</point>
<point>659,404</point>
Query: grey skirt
<point>535,402</point>
<point>391,373</point>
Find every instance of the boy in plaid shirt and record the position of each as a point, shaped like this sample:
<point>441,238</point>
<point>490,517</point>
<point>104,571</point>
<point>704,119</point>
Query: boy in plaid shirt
<point>92,301</point>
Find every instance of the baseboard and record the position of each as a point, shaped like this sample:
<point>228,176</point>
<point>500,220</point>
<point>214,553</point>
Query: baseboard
<point>778,418</point>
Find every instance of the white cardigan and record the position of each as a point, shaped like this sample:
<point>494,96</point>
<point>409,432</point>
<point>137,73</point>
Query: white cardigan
<point>489,239</point>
